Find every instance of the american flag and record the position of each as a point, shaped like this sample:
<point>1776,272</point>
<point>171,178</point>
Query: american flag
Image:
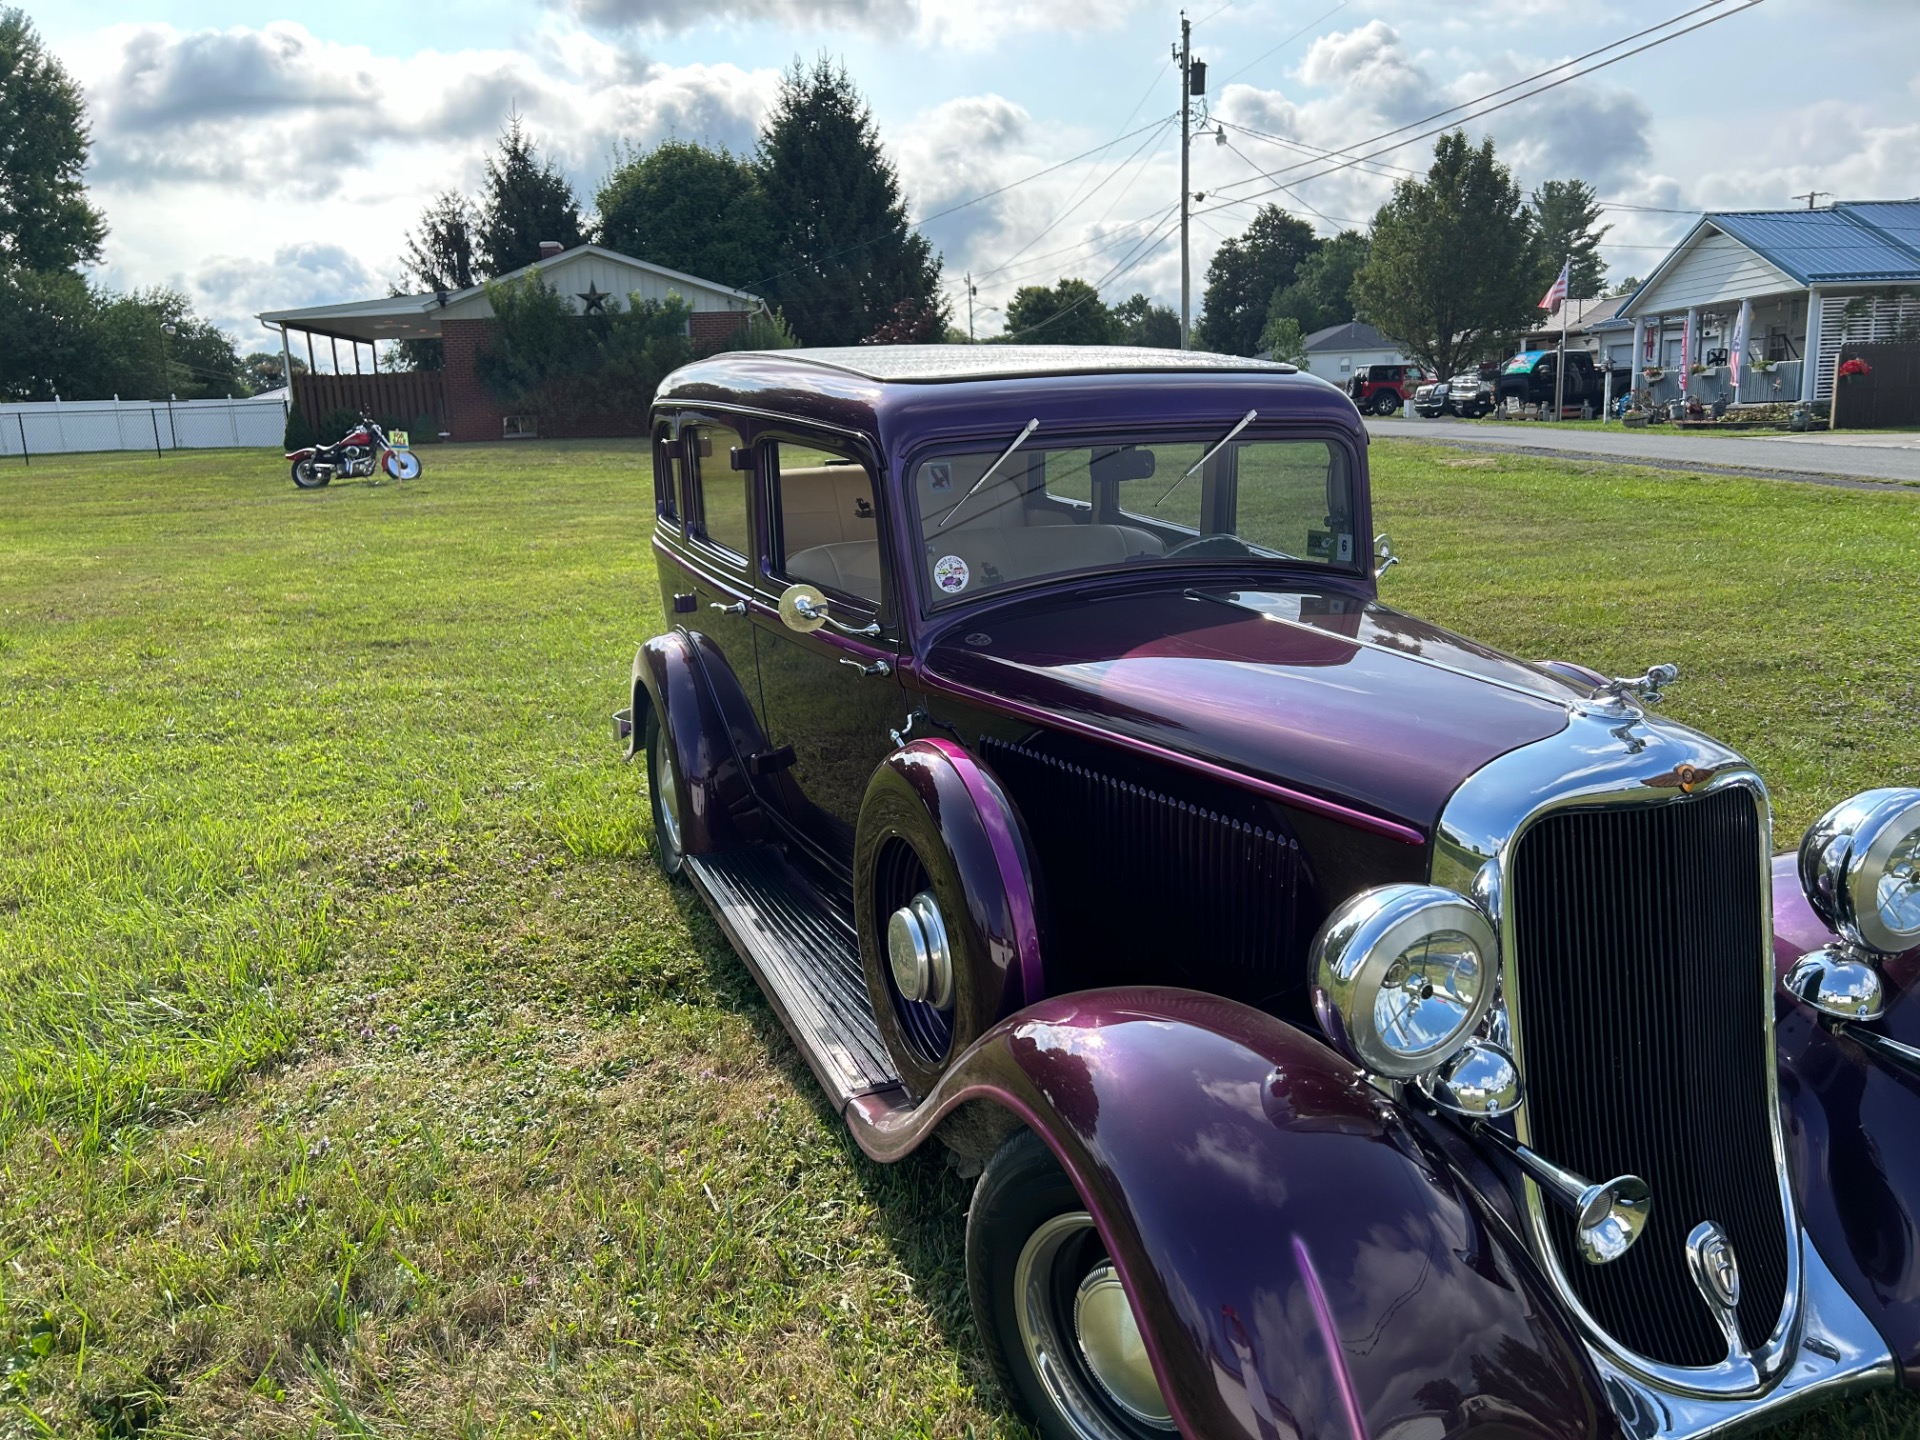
<point>1559,290</point>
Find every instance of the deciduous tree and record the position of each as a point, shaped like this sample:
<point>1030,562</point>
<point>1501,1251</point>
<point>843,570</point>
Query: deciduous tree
<point>1322,292</point>
<point>1245,272</point>
<point>525,200</point>
<point>843,254</point>
<point>1139,321</point>
<point>1070,313</point>
<point>689,208</point>
<point>46,222</point>
<point>1452,258</point>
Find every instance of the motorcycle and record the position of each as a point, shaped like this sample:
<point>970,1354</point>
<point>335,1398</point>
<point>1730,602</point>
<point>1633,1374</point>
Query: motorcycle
<point>365,451</point>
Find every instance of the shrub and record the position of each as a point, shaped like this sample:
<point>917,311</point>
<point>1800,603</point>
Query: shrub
<point>425,430</point>
<point>299,433</point>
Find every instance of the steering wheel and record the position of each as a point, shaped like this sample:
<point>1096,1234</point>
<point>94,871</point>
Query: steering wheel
<point>1211,545</point>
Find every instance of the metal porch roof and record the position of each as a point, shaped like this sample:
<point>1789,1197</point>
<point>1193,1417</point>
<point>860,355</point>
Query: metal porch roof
<point>1872,243</point>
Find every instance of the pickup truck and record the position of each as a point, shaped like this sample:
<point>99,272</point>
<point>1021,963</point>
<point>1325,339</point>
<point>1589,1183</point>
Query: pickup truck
<point>1528,377</point>
<point>1467,395</point>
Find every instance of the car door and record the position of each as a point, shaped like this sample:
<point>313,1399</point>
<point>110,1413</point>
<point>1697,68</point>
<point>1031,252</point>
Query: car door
<point>830,684</point>
<point>720,543</point>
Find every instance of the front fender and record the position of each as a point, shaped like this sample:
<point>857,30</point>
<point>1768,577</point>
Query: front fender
<point>1850,1120</point>
<point>1302,1261</point>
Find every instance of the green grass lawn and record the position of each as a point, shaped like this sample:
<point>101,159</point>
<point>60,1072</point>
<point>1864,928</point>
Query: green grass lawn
<point>359,1076</point>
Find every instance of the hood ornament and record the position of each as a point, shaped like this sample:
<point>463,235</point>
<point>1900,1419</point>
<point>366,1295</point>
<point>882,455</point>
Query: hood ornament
<point>1628,695</point>
<point>1716,1274</point>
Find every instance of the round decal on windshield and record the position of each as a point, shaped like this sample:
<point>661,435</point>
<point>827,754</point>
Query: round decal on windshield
<point>950,573</point>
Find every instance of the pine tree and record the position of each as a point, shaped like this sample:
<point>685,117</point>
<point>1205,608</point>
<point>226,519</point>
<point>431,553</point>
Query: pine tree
<point>843,254</point>
<point>46,222</point>
<point>1566,224</point>
<point>524,201</point>
<point>439,255</point>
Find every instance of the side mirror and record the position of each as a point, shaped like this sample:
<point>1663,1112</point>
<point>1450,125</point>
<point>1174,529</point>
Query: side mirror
<point>1383,552</point>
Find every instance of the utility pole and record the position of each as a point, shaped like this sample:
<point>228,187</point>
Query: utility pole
<point>972,291</point>
<point>1811,196</point>
<point>1184,54</point>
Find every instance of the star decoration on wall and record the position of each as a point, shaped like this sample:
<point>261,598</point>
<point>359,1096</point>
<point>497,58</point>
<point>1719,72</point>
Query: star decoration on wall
<point>594,299</point>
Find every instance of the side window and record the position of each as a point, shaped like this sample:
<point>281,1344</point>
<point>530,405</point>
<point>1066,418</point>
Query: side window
<point>666,502</point>
<point>721,489</point>
<point>829,532</point>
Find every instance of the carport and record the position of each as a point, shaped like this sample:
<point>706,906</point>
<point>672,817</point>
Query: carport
<point>405,394</point>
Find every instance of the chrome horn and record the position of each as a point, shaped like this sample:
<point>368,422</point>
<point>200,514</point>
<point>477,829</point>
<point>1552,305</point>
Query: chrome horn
<point>1607,1218</point>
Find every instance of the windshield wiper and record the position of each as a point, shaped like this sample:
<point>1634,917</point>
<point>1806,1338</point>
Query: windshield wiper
<point>1245,420</point>
<point>1018,441</point>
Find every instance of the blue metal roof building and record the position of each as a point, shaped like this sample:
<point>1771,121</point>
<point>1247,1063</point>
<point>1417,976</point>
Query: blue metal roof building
<point>1804,282</point>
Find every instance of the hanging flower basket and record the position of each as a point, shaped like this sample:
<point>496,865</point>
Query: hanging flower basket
<point>1696,369</point>
<point>1854,369</point>
<point>1653,372</point>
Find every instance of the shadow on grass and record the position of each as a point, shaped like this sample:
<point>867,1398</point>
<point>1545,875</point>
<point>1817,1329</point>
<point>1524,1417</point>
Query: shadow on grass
<point>921,1200</point>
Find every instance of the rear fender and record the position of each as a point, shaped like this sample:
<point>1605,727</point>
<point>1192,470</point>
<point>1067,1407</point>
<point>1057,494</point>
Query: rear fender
<point>684,681</point>
<point>1850,1119</point>
<point>1302,1261</point>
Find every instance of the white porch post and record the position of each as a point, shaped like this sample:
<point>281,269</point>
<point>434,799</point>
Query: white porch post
<point>1810,352</point>
<point>1691,345</point>
<point>1743,331</point>
<point>1639,348</point>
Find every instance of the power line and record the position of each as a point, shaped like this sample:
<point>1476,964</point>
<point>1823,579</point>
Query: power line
<point>1541,75</point>
<point>1126,263</point>
<point>1078,200</point>
<point>1310,25</point>
<point>1514,100</point>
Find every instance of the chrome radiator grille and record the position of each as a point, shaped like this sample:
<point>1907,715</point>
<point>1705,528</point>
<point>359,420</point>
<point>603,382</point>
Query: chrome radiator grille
<point>1643,1011</point>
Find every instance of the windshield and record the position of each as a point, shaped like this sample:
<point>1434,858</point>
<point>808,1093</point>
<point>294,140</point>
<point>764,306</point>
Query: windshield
<point>1054,510</point>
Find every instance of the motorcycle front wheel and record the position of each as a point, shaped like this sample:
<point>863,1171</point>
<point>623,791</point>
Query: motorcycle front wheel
<point>309,476</point>
<point>403,464</point>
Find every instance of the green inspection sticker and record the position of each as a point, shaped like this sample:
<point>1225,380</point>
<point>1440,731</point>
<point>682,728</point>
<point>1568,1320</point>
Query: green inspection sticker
<point>1320,544</point>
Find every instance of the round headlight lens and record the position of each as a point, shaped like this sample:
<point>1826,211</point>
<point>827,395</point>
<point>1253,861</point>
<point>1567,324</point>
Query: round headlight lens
<point>1860,868</point>
<point>1402,974</point>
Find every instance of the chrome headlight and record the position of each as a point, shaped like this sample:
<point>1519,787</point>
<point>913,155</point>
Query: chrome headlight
<point>1402,975</point>
<point>1860,867</point>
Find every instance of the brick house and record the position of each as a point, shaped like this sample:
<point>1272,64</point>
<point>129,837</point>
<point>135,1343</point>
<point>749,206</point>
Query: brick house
<point>587,275</point>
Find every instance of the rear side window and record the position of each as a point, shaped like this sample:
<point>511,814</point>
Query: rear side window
<point>720,491</point>
<point>666,503</point>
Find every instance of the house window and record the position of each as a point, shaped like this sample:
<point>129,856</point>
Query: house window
<point>720,491</point>
<point>1346,362</point>
<point>829,533</point>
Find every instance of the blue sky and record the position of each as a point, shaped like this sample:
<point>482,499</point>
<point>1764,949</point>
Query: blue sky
<point>260,163</point>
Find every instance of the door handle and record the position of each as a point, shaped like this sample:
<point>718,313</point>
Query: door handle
<point>878,667</point>
<point>738,607</point>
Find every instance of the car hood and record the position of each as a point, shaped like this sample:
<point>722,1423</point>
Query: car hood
<point>1340,696</point>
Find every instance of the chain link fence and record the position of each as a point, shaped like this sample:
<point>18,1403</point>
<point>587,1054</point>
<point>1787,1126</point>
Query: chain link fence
<point>66,427</point>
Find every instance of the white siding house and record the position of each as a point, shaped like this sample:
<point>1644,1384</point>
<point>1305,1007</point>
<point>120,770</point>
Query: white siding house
<point>1336,352</point>
<point>1801,283</point>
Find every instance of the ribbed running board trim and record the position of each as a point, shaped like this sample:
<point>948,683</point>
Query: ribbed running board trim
<point>807,960</point>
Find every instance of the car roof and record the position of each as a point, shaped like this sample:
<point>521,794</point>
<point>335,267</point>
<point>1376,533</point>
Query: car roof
<point>896,392</point>
<point>934,364</point>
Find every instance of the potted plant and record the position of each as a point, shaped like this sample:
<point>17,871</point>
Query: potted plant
<point>1855,369</point>
<point>1762,367</point>
<point>1696,369</point>
<point>1654,372</point>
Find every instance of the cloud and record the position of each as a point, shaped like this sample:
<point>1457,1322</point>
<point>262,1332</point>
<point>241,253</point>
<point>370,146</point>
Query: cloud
<point>965,24</point>
<point>278,110</point>
<point>234,288</point>
<point>1371,66</point>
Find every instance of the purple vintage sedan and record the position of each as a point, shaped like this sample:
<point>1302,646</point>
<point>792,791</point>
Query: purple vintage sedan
<point>1363,1033</point>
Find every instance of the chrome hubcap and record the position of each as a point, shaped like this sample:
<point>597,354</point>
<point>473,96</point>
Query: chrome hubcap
<point>669,795</point>
<point>918,953</point>
<point>1083,1342</point>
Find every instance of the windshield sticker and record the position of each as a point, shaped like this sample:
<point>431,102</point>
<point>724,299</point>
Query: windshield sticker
<point>950,573</point>
<point>939,477</point>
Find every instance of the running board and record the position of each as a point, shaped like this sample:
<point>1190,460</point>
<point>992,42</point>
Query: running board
<point>806,957</point>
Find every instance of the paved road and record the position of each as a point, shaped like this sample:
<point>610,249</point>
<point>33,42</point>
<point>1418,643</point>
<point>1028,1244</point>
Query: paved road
<point>1847,458</point>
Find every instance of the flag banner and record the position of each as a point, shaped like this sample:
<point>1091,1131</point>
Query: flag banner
<point>1737,352</point>
<point>1558,291</point>
<point>1686,349</point>
<point>1653,339</point>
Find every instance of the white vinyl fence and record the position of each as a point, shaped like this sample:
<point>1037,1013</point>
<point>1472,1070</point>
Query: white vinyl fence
<point>63,427</point>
